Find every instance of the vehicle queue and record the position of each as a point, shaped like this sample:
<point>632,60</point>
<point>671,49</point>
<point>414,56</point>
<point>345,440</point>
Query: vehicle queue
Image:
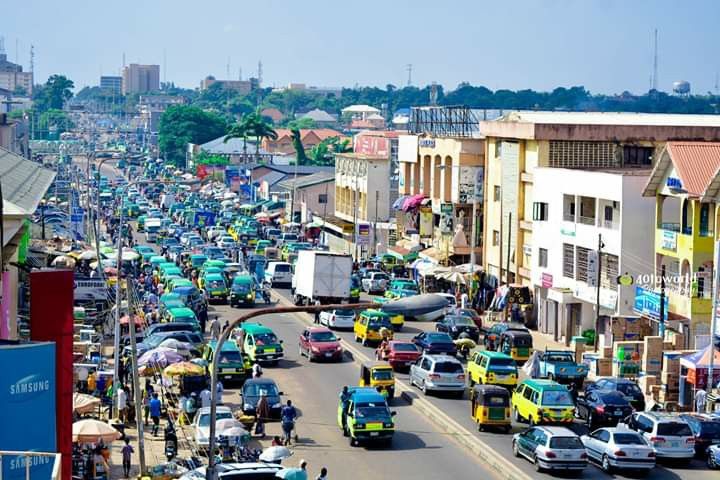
<point>213,249</point>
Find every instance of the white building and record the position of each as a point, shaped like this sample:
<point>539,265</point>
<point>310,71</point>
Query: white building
<point>571,210</point>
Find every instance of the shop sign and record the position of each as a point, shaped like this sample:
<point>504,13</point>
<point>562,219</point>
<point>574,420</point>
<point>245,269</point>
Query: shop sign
<point>567,232</point>
<point>446,219</point>
<point>608,298</point>
<point>363,233</point>
<point>546,280</point>
<point>426,143</point>
<point>426,222</point>
<point>90,289</point>
<point>669,240</point>
<point>647,304</point>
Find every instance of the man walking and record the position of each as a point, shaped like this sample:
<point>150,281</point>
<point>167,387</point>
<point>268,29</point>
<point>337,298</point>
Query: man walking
<point>288,415</point>
<point>127,451</point>
<point>155,408</point>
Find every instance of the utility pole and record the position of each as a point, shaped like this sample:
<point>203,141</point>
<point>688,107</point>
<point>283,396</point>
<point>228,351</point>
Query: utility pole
<point>500,243</point>
<point>661,321</point>
<point>713,321</point>
<point>377,199</point>
<point>136,384</point>
<point>473,235</point>
<point>509,243</point>
<point>322,230</point>
<point>597,295</point>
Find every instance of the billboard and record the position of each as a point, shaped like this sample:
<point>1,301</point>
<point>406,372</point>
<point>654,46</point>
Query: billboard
<point>372,145</point>
<point>426,222</point>
<point>363,233</point>
<point>27,416</point>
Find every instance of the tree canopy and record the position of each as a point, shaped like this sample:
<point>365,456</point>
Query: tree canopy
<point>183,124</point>
<point>53,94</point>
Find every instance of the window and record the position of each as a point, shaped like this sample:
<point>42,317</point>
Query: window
<point>542,257</point>
<point>496,193</point>
<point>568,260</point>
<point>498,149</point>
<point>540,211</point>
<point>495,238</point>
<point>322,198</point>
<point>637,156</point>
<point>581,264</point>
<point>608,213</point>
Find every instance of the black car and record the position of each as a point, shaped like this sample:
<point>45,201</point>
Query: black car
<point>492,336</point>
<point>251,391</point>
<point>455,325</point>
<point>623,385</point>
<point>706,430</point>
<point>172,327</point>
<point>603,407</point>
<point>434,343</point>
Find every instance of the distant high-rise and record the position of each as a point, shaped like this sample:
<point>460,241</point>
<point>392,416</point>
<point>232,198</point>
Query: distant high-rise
<point>12,76</point>
<point>112,83</point>
<point>140,78</point>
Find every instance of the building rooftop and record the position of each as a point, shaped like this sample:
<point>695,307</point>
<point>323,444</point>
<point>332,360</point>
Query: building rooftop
<point>318,115</point>
<point>307,180</point>
<point>697,165</point>
<point>360,109</point>
<point>234,146</point>
<point>24,183</point>
<point>300,169</point>
<point>612,118</point>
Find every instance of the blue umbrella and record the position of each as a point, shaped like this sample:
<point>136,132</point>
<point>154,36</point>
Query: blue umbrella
<point>292,474</point>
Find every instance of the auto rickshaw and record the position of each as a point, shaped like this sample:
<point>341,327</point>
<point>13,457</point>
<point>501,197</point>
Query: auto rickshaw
<point>516,343</point>
<point>378,375</point>
<point>490,407</point>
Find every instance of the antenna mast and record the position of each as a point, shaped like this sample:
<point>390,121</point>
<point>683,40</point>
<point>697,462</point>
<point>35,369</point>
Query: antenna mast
<point>32,58</point>
<point>260,73</point>
<point>654,82</point>
<point>409,68</point>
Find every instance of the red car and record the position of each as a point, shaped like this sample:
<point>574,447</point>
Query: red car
<point>399,354</point>
<point>320,343</point>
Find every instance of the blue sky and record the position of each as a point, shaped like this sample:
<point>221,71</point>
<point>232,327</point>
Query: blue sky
<point>605,45</point>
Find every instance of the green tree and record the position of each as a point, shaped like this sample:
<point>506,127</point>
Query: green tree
<point>53,95</point>
<point>301,124</point>
<point>324,152</point>
<point>301,156</point>
<point>183,124</point>
<point>52,123</point>
<point>260,129</point>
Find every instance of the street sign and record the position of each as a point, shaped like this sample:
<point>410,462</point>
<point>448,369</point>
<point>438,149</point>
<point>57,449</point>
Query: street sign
<point>647,303</point>
<point>592,268</point>
<point>90,289</point>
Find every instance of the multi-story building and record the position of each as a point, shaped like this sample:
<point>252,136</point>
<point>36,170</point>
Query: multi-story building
<point>685,185</point>
<point>309,138</point>
<point>519,142</point>
<point>310,196</point>
<point>12,76</point>
<point>138,78</point>
<point>151,108</point>
<point>574,212</point>
<point>241,86</point>
<point>111,83</point>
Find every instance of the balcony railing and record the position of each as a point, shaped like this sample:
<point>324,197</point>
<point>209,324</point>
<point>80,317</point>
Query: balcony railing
<point>673,227</point>
<point>568,217</point>
<point>586,220</point>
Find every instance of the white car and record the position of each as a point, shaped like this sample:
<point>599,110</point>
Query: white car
<point>550,448</point>
<point>213,232</point>
<point>344,319</point>
<point>713,460</point>
<point>237,471</point>
<point>279,273</point>
<point>669,435</point>
<point>617,448</point>
<point>225,242</point>
<point>375,282</point>
<point>201,425</point>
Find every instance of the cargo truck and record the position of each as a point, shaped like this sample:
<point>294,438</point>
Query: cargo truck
<point>321,277</point>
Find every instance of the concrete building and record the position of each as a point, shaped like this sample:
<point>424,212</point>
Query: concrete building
<point>151,108</point>
<point>571,211</point>
<point>240,86</point>
<point>519,142</point>
<point>314,196</point>
<point>111,83</point>
<point>309,137</point>
<point>138,78</point>
<point>685,185</point>
<point>321,118</point>
<point>12,76</point>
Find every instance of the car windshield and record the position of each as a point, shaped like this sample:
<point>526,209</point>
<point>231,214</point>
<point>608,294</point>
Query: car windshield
<point>204,420</point>
<point>560,358</point>
<point>378,323</point>
<point>438,337</point>
<point>216,284</point>
<point>629,439</point>
<point>674,429</point>
<point>629,388</point>
<point>323,337</point>
<point>404,347</point>
<point>557,397</point>
<point>230,357</point>
<point>381,276</point>
<point>266,339</point>
<point>710,430</point>
<point>282,268</point>
<point>385,374</point>
<point>502,362</point>
<point>569,443</point>
<point>345,313</point>
<point>155,340</point>
<point>448,367</point>
<point>613,398</point>
<point>255,389</point>
<point>461,320</point>
<point>371,411</point>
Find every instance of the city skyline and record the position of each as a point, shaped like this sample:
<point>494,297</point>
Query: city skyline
<point>478,46</point>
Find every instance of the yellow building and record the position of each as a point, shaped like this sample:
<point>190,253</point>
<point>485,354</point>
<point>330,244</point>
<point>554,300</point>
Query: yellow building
<point>520,141</point>
<point>685,183</point>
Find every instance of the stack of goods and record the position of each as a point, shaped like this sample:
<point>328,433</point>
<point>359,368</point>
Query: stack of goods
<point>670,377</point>
<point>652,355</point>
<point>627,357</point>
<point>629,328</point>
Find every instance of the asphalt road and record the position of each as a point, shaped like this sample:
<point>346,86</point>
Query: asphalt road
<point>500,443</point>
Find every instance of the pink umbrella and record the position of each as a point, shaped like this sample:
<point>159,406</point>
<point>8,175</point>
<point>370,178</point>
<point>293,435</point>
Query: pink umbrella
<point>160,357</point>
<point>412,202</point>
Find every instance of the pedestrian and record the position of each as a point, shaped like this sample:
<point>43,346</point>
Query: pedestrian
<point>219,392</point>
<point>256,370</point>
<point>303,466</point>
<point>345,402</point>
<point>100,465</point>
<point>155,408</point>
<point>317,312</point>
<point>121,401</point>
<point>203,317</point>
<point>215,328</point>
<point>323,474</point>
<point>276,441</point>
<point>205,397</point>
<point>288,415</point>
<point>262,413</point>
<point>127,451</point>
<point>700,400</point>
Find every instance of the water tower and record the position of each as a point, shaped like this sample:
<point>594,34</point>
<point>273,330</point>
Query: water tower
<point>682,88</point>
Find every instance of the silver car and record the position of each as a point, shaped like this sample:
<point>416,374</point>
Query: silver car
<point>669,435</point>
<point>340,319</point>
<point>617,448</point>
<point>438,373</point>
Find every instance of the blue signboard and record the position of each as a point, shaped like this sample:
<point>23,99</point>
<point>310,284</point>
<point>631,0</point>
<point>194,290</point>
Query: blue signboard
<point>27,416</point>
<point>647,303</point>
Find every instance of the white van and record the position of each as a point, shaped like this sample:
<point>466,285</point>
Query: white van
<point>279,273</point>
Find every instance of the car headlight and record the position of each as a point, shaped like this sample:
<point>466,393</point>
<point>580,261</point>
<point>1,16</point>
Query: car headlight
<point>249,296</point>
<point>247,406</point>
<point>315,349</point>
<point>277,405</point>
<point>387,425</point>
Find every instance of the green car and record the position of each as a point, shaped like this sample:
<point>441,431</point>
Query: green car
<point>215,287</point>
<point>179,282</point>
<point>261,344</point>
<point>197,260</point>
<point>169,301</point>
<point>368,418</point>
<point>157,260</point>
<point>213,263</point>
<point>242,291</point>
<point>141,223</point>
<point>232,365</point>
<point>182,315</point>
<point>261,246</point>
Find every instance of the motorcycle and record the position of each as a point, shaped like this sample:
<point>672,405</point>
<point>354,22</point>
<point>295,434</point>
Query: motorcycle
<point>171,443</point>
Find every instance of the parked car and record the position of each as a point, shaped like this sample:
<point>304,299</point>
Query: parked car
<point>435,343</point>
<point>603,407</point>
<point>706,430</point>
<point>615,449</point>
<point>344,319</point>
<point>375,282</point>
<point>668,434</point>
<point>172,327</point>
<point>456,325</point>
<point>560,365</point>
<point>237,471</point>
<point>550,448</point>
<point>438,373</point>
<point>320,343</point>
<point>623,385</point>
<point>251,391</point>
<point>201,424</point>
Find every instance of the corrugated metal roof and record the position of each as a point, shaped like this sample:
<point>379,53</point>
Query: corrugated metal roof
<point>24,182</point>
<point>612,118</point>
<point>307,180</point>
<point>234,146</point>
<point>696,163</point>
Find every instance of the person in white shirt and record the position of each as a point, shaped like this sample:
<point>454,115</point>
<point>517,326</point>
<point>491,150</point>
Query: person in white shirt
<point>205,398</point>
<point>220,391</point>
<point>122,403</point>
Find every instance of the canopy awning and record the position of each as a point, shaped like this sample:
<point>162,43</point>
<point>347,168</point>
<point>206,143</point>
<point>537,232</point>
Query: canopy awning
<point>398,204</point>
<point>402,253</point>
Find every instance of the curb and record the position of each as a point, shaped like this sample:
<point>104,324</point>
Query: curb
<point>482,451</point>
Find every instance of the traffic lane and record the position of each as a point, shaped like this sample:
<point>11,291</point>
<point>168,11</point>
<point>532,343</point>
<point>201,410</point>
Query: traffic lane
<point>501,443</point>
<point>419,450</point>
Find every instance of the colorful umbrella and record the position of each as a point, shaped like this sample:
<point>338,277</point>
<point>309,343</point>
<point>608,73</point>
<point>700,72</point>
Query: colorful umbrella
<point>93,431</point>
<point>182,369</point>
<point>126,319</point>
<point>83,403</point>
<point>161,357</point>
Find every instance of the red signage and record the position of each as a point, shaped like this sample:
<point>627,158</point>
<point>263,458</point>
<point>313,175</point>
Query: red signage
<point>546,280</point>
<point>372,145</point>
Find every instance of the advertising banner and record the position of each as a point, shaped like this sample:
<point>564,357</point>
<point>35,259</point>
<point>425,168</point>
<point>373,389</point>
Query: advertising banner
<point>90,289</point>
<point>447,224</point>
<point>27,416</point>
<point>372,145</point>
<point>363,233</point>
<point>426,222</point>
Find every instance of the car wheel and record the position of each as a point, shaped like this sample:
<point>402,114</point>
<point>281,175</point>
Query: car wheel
<point>515,449</point>
<point>606,464</point>
<point>531,421</point>
<point>711,461</point>
<point>538,468</point>
<point>590,420</point>
<point>516,416</point>
<point>424,388</point>
<point>364,342</point>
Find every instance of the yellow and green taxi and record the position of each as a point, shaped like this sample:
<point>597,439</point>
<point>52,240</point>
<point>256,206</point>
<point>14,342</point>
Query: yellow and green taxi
<point>260,343</point>
<point>397,320</point>
<point>169,273</point>
<point>492,368</point>
<point>157,260</point>
<point>367,418</point>
<point>401,288</point>
<point>542,401</point>
<point>168,301</point>
<point>232,364</point>
<point>215,287</point>
<point>369,325</point>
<point>205,272</point>
<point>181,315</point>
<point>242,290</point>
<point>178,282</point>
<point>261,245</point>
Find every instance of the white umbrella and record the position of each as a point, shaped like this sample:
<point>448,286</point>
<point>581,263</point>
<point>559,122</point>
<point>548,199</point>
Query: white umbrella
<point>63,261</point>
<point>88,255</point>
<point>274,454</point>
<point>229,195</point>
<point>177,345</point>
<point>226,424</point>
<point>83,403</point>
<point>93,431</point>
<point>454,277</point>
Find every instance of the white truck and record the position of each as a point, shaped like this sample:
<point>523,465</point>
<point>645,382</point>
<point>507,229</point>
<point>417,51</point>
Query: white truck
<point>321,276</point>
<point>152,229</point>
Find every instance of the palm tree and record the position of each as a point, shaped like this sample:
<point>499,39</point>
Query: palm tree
<point>239,130</point>
<point>260,130</point>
